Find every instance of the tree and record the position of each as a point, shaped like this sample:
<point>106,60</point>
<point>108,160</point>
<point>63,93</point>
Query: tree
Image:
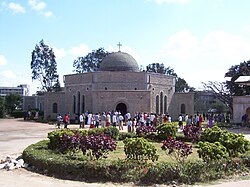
<point>243,69</point>
<point>1,107</point>
<point>91,62</point>
<point>44,67</point>
<point>180,85</point>
<point>221,92</point>
<point>12,102</point>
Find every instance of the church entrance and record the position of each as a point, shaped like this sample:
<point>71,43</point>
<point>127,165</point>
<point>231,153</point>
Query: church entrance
<point>121,107</point>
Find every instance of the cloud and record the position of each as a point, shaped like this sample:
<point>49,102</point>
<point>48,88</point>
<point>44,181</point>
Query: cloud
<point>199,59</point>
<point>40,6</point>
<point>172,1</point>
<point>36,5</point>
<point>48,14</point>
<point>3,60</point>
<point>8,74</point>
<point>80,50</point>
<point>59,52</point>
<point>16,8</point>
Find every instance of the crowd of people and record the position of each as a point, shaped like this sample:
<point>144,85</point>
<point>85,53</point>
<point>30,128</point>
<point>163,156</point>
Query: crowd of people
<point>116,119</point>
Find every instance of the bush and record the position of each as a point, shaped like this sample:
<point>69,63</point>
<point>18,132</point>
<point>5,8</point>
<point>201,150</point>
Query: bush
<point>124,135</point>
<point>192,132</point>
<point>144,130</point>
<point>17,114</point>
<point>55,136</point>
<point>113,132</point>
<point>178,149</point>
<point>235,143</point>
<point>80,168</point>
<point>166,130</point>
<point>139,149</point>
<point>212,151</point>
<point>211,134</point>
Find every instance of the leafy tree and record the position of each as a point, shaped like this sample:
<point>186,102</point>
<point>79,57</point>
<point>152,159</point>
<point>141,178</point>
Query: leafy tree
<point>1,107</point>
<point>12,101</point>
<point>91,62</point>
<point>44,67</point>
<point>180,86</point>
<point>243,69</point>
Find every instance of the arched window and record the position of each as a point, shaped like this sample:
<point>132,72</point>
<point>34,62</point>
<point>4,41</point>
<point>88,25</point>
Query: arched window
<point>78,102</point>
<point>161,102</point>
<point>157,104</point>
<point>165,105</point>
<point>183,108</point>
<point>54,108</point>
<point>74,104</point>
<point>83,103</point>
<point>41,106</point>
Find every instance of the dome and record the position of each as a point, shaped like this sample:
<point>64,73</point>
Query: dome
<point>119,61</point>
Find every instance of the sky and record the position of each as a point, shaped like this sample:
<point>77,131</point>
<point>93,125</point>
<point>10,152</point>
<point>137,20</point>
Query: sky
<point>199,39</point>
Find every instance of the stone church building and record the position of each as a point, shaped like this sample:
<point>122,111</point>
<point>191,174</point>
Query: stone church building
<point>117,86</point>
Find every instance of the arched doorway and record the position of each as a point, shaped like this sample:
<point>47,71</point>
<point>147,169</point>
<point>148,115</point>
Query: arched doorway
<point>121,107</point>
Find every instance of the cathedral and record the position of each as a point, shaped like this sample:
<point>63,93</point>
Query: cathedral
<point>117,86</point>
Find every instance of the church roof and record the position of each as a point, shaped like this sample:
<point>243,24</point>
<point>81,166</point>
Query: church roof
<point>119,61</point>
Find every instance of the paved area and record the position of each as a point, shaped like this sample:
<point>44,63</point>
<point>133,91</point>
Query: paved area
<point>16,135</point>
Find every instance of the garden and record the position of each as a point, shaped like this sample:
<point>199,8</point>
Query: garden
<point>150,155</point>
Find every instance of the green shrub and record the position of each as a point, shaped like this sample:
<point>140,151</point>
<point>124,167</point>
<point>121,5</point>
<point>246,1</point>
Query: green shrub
<point>211,151</point>
<point>139,149</point>
<point>113,132</point>
<point>124,135</point>
<point>55,136</point>
<point>78,167</point>
<point>235,143</point>
<point>211,134</point>
<point>166,130</point>
<point>96,131</point>
<point>246,158</point>
<point>17,114</point>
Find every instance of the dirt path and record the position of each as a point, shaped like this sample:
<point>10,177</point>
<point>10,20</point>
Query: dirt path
<point>16,135</point>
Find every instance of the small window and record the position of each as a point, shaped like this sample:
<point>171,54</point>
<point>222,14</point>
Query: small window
<point>106,88</point>
<point>135,88</point>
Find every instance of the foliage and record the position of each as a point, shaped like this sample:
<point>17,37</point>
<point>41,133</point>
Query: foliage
<point>124,135</point>
<point>139,149</point>
<point>97,146</point>
<point>166,130</point>
<point>113,132</point>
<point>212,151</point>
<point>143,130</point>
<point>178,149</point>
<point>55,136</point>
<point>78,167</point>
<point>180,86</point>
<point>242,69</point>
<point>235,143</point>
<point>44,67</point>
<point>1,107</point>
<point>192,132</point>
<point>12,102</point>
<point>211,134</point>
<point>91,62</point>
<point>18,113</point>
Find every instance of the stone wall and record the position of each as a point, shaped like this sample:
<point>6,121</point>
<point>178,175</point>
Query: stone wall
<point>241,106</point>
<point>179,99</point>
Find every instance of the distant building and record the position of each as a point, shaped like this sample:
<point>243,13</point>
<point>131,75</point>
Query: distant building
<point>22,90</point>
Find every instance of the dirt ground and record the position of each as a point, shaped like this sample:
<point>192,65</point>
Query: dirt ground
<point>16,135</point>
